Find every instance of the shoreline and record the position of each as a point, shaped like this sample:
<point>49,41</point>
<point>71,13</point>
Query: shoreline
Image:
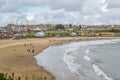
<point>16,59</point>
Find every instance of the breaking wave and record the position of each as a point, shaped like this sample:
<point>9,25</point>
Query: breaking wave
<point>75,58</point>
<point>96,68</point>
<point>100,72</point>
<point>69,58</point>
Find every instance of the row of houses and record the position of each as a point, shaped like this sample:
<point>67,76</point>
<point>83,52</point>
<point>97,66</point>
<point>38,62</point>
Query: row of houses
<point>41,27</point>
<point>95,27</point>
<point>25,28</point>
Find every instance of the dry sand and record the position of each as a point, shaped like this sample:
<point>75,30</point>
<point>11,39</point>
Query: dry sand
<point>17,55</point>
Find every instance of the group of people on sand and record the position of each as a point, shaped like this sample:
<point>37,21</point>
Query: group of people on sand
<point>30,48</point>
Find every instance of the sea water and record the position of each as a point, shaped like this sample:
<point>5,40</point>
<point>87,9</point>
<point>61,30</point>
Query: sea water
<point>86,60</point>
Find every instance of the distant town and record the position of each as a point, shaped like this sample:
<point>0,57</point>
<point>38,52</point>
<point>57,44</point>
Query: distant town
<point>59,30</point>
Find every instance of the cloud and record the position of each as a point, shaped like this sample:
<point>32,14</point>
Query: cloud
<point>13,5</point>
<point>10,5</point>
<point>70,5</point>
<point>60,11</point>
<point>67,4</point>
<point>104,8</point>
<point>113,3</point>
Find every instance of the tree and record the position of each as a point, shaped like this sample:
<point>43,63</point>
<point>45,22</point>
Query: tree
<point>70,25</point>
<point>80,27</point>
<point>51,28</point>
<point>59,26</point>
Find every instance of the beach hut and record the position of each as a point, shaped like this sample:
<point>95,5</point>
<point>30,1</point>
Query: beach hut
<point>40,34</point>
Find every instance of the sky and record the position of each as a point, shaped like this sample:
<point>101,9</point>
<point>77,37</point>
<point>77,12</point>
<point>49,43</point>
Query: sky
<point>90,12</point>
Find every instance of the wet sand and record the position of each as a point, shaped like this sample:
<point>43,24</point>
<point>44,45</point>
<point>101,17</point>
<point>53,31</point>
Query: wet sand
<point>18,55</point>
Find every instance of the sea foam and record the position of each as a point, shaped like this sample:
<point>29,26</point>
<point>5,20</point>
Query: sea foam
<point>71,63</point>
<point>70,60</point>
<point>87,51</point>
<point>87,58</point>
<point>101,73</point>
<point>96,68</point>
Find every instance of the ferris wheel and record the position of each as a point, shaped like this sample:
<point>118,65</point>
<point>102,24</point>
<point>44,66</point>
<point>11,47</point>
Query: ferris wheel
<point>22,22</point>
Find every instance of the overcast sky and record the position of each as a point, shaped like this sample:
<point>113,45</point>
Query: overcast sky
<point>60,11</point>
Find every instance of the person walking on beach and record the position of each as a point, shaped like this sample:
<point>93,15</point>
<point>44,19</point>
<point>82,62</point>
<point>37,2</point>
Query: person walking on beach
<point>33,51</point>
<point>29,50</point>
<point>45,78</point>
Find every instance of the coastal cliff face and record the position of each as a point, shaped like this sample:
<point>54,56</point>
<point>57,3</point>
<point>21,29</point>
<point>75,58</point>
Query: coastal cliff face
<point>17,56</point>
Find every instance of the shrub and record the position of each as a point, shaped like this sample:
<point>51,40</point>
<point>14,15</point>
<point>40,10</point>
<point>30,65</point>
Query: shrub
<point>56,33</point>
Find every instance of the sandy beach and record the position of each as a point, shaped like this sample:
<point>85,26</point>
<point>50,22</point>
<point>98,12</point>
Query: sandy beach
<point>18,55</point>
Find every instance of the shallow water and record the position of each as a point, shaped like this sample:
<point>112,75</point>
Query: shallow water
<point>87,60</point>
